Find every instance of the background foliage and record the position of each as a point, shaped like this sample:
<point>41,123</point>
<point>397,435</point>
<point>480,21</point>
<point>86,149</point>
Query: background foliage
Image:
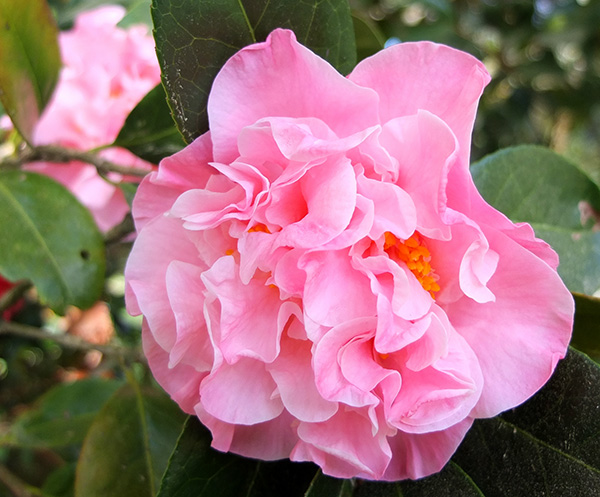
<point>79,418</point>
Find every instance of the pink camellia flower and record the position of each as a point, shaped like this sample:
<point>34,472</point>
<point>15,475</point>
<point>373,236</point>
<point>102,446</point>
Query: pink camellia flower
<point>107,70</point>
<point>320,278</point>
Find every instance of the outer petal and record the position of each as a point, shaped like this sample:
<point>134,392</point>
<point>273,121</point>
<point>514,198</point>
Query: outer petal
<point>295,378</point>
<point>417,456</point>
<point>247,323</point>
<point>424,76</point>
<point>519,338</point>
<point>345,446</point>
<point>277,436</point>
<point>187,169</point>
<point>280,77</point>
<point>241,393</point>
<point>159,243</point>
<point>182,382</point>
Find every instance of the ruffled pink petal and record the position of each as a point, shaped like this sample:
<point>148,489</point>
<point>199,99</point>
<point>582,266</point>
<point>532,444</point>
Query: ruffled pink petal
<point>186,295</point>
<point>517,346</point>
<point>345,447</point>
<point>409,77</point>
<point>394,208</point>
<point>329,376</point>
<point>330,195</point>
<point>418,455</point>
<point>277,436</point>
<point>295,378</point>
<point>160,243</point>
<point>335,292</point>
<point>426,150</point>
<point>248,314</point>
<point>242,393</point>
<point>182,383</point>
<point>280,77</point>
<point>438,396</point>
<point>187,169</point>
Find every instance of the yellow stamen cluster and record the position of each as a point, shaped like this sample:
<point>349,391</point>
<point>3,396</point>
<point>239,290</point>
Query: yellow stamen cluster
<point>259,227</point>
<point>417,258</point>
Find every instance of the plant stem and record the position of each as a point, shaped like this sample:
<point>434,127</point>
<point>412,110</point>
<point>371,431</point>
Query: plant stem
<point>70,341</point>
<point>51,153</point>
<point>18,487</point>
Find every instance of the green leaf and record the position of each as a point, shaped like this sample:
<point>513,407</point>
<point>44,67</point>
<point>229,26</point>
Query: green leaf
<point>137,13</point>
<point>533,184</point>
<point>547,446</point>
<point>369,38</point>
<point>450,482</point>
<point>327,486</point>
<point>62,416</point>
<point>149,131</point>
<point>197,470</point>
<point>128,445</point>
<point>61,482</point>
<point>53,241</point>
<point>30,61</point>
<point>586,329</point>
<point>66,11</point>
<point>194,38</point>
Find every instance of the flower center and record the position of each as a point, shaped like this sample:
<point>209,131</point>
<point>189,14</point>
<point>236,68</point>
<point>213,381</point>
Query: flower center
<point>417,258</point>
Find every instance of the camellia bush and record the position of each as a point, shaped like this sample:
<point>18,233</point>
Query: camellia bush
<point>246,251</point>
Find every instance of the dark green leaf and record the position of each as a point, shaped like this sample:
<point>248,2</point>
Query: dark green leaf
<point>326,486</point>
<point>195,38</point>
<point>30,60</point>
<point>369,38</point>
<point>533,184</point>
<point>450,482</point>
<point>50,239</point>
<point>149,131</point>
<point>586,330</point>
<point>546,447</point>
<point>61,482</point>
<point>62,416</point>
<point>128,445</point>
<point>197,470</point>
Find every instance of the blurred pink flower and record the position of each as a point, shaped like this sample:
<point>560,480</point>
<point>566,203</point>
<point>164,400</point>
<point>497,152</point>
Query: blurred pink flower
<point>320,278</point>
<point>107,70</point>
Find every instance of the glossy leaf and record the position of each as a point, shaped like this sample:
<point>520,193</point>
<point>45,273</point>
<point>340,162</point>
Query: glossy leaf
<point>54,241</point>
<point>61,482</point>
<point>327,486</point>
<point>30,61</point>
<point>369,38</point>
<point>533,184</point>
<point>197,470</point>
<point>195,38</point>
<point>62,416</point>
<point>450,482</point>
<point>586,330</point>
<point>149,131</point>
<point>546,447</point>
<point>128,445</point>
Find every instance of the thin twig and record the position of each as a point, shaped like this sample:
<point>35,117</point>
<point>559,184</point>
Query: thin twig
<point>69,341</point>
<point>51,153</point>
<point>17,486</point>
<point>120,231</point>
